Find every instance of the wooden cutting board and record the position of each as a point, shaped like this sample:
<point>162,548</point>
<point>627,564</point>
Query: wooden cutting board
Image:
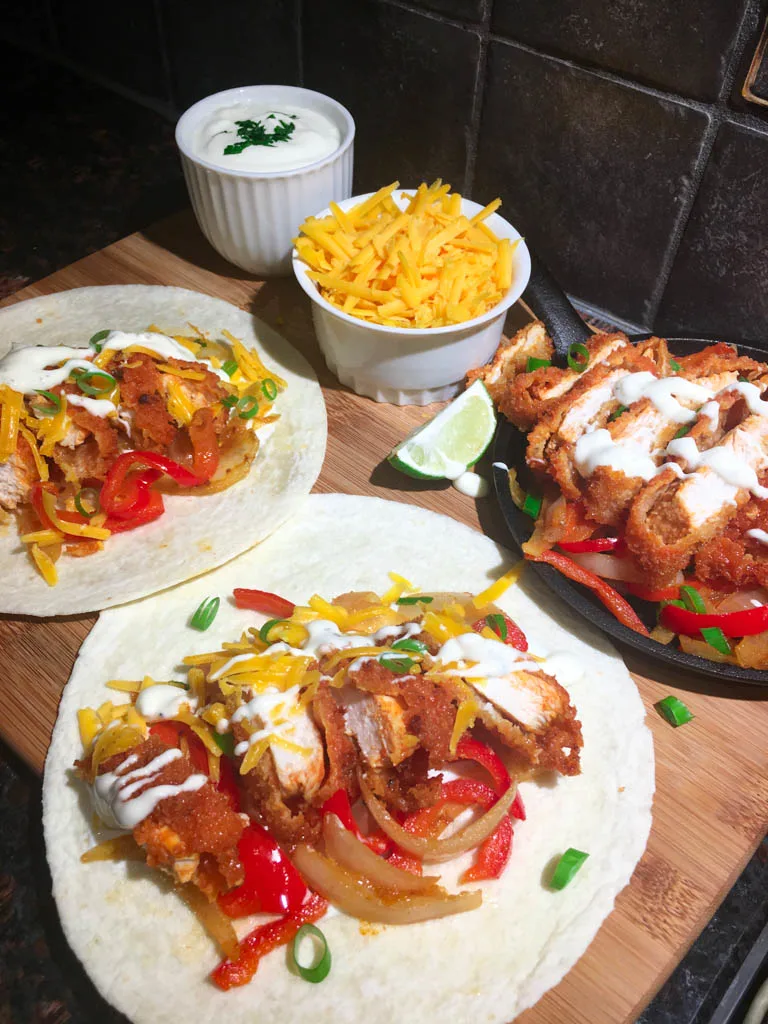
<point>711,805</point>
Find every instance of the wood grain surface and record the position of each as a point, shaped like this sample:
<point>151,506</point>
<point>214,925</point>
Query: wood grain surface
<point>711,804</point>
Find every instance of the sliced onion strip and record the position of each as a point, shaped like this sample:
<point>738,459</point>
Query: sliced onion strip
<point>354,896</point>
<point>435,851</point>
<point>347,850</point>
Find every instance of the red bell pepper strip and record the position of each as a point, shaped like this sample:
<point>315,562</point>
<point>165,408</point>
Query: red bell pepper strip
<point>205,445</point>
<point>647,594</point>
<point>515,636</point>
<point>36,497</point>
<point>152,508</point>
<point>264,602</point>
<point>611,598</point>
<point>593,544</point>
<point>231,973</point>
<point>272,885</point>
<point>111,497</point>
<point>744,623</point>
<point>170,734</point>
<point>470,749</point>
<point>339,805</point>
<point>405,861</point>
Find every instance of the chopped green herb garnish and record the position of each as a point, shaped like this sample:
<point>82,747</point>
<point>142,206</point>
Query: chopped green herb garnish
<point>94,382</point>
<point>91,495</point>
<point>408,644</point>
<point>256,133</point>
<point>53,408</point>
<point>618,412</point>
<point>532,505</point>
<point>578,357</point>
<point>536,364</point>
<point>498,624</point>
<point>247,407</point>
<point>205,614</point>
<point>421,599</point>
<point>566,868</point>
<point>229,401</point>
<point>683,430</point>
<point>230,367</point>
<point>692,599</point>
<point>397,665</point>
<point>322,966</point>
<point>675,712</point>
<point>674,365</point>
<point>97,339</point>
<point>715,637</point>
<point>266,629</point>
<point>269,389</point>
<point>225,742</point>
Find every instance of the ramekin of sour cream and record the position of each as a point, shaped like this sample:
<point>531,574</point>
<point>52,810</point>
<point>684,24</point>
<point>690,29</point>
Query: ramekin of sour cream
<point>257,161</point>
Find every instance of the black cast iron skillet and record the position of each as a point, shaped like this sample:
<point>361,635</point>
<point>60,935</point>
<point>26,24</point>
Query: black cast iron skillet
<point>549,303</point>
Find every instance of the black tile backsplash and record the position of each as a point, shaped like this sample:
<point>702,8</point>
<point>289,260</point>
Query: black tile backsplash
<point>615,132</point>
<point>591,173</point>
<point>408,81</point>
<point>682,45</point>
<point>719,283</point>
<point>214,46</point>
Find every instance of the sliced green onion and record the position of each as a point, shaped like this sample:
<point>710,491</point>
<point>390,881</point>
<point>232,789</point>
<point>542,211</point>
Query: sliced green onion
<point>683,430</point>
<point>247,407</point>
<point>53,408</point>
<point>229,401</point>
<point>716,638</point>
<point>397,665</point>
<point>578,357</point>
<point>97,339</point>
<point>693,600</point>
<point>225,742</point>
<point>674,365</point>
<point>566,868</point>
<point>269,389</point>
<point>230,367</point>
<point>92,496</point>
<point>205,614</point>
<point>742,380</point>
<point>536,364</point>
<point>498,624</point>
<point>265,629</point>
<point>421,599</point>
<point>407,644</point>
<point>618,412</point>
<point>532,505</point>
<point>322,966</point>
<point>675,712</point>
<point>84,378</point>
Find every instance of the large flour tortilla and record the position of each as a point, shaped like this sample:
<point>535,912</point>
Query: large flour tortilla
<point>143,948</point>
<point>198,532</point>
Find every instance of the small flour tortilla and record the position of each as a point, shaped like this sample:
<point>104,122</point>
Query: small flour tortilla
<point>143,948</point>
<point>197,532</point>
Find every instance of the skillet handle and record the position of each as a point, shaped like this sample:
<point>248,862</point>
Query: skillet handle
<point>549,303</point>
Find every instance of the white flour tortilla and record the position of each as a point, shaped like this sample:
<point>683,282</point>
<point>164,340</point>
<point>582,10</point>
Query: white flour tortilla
<point>143,948</point>
<point>197,532</point>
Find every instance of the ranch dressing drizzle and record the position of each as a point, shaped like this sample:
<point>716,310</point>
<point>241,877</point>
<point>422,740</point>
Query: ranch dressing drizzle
<point>471,484</point>
<point>758,535</point>
<point>113,792</point>
<point>663,393</point>
<point>725,464</point>
<point>751,395</point>
<point>100,407</point>
<point>600,449</point>
<point>163,701</point>
<point>276,708</point>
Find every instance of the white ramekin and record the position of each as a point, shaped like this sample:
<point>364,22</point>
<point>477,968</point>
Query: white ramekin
<point>251,217</point>
<point>416,366</point>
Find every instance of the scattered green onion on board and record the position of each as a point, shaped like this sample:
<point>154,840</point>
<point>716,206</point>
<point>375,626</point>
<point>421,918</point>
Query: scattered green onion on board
<point>578,357</point>
<point>566,868</point>
<point>205,614</point>
<point>53,408</point>
<point>674,365</point>
<point>716,638</point>
<point>408,644</point>
<point>247,407</point>
<point>421,599</point>
<point>674,711</point>
<point>96,340</point>
<point>536,364</point>
<point>397,665</point>
<point>225,742</point>
<point>91,495</point>
<point>497,624</point>
<point>532,506</point>
<point>269,389</point>
<point>266,628</point>
<point>692,599</point>
<point>321,967</point>
<point>94,382</point>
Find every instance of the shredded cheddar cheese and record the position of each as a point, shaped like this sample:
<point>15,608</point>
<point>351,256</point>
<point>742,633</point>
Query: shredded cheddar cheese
<point>501,585</point>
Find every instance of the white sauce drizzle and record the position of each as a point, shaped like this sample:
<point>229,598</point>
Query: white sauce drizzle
<point>663,393</point>
<point>751,395</point>
<point>100,407</point>
<point>758,535</point>
<point>600,449</point>
<point>471,484</point>
<point>113,792</point>
<point>724,464</point>
<point>711,410</point>
<point>163,701</point>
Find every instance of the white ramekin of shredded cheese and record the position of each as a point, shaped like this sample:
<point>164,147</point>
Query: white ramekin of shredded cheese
<point>411,366</point>
<point>258,160</point>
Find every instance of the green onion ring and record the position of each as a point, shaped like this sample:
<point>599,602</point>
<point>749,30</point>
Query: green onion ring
<point>617,412</point>
<point>693,600</point>
<point>229,401</point>
<point>532,506</point>
<point>397,665</point>
<point>230,367</point>
<point>247,407</point>
<point>264,631</point>
<point>415,600</point>
<point>675,712</point>
<point>92,496</point>
<point>270,393</point>
<point>407,644</point>
<point>497,623</point>
<point>578,357</point>
<point>53,408</point>
<point>205,614</point>
<point>536,364</point>
<point>96,340</point>
<point>683,430</point>
<point>225,742</point>
<point>716,638</point>
<point>82,379</point>
<point>321,968</point>
<point>566,868</point>
<point>674,365</point>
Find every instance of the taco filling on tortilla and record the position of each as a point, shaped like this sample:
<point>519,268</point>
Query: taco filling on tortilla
<point>331,757</point>
<point>91,437</point>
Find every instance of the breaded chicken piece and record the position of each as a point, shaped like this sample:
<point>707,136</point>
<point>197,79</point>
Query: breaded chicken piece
<point>530,342</point>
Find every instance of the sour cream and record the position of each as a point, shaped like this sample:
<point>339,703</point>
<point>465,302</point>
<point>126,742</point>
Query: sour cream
<point>313,137</point>
<point>471,484</point>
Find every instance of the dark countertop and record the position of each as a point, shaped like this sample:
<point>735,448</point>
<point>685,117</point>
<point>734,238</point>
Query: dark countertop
<point>79,168</point>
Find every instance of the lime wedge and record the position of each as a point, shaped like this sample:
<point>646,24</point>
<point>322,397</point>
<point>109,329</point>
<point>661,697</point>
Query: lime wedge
<point>452,440</point>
